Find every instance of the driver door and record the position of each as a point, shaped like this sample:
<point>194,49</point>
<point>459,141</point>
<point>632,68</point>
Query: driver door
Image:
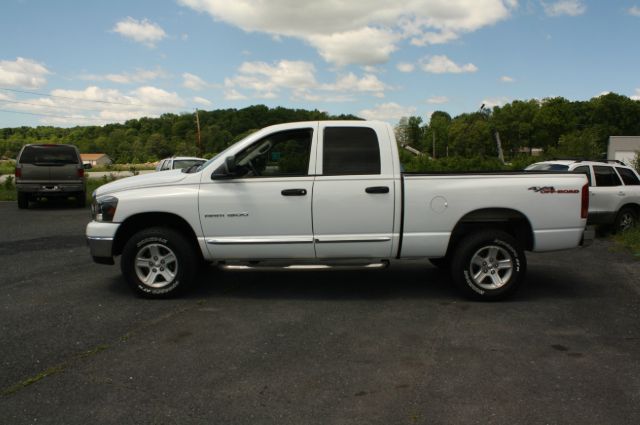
<point>264,210</point>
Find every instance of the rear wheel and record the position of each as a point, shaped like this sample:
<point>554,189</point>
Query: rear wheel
<point>23,200</point>
<point>158,262</point>
<point>625,220</point>
<point>488,265</point>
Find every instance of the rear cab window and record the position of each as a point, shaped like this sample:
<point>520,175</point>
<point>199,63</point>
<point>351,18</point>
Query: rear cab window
<point>350,151</point>
<point>49,155</point>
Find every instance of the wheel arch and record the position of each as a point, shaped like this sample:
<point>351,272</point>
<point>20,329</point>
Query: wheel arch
<point>507,220</point>
<point>146,220</point>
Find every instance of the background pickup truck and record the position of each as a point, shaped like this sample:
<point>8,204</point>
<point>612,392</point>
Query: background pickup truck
<point>332,192</point>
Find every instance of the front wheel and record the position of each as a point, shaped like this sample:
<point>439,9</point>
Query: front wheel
<point>488,265</point>
<point>158,262</point>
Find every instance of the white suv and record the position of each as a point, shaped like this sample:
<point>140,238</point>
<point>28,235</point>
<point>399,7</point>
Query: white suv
<point>176,162</point>
<point>614,190</point>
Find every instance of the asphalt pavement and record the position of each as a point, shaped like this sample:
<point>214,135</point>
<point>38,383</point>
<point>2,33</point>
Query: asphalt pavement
<point>393,346</point>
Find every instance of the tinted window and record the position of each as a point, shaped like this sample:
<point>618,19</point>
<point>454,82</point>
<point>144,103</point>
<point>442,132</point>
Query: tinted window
<point>628,177</point>
<point>605,176</point>
<point>584,169</point>
<point>49,154</point>
<point>186,163</point>
<point>165,165</point>
<point>280,154</point>
<point>350,150</point>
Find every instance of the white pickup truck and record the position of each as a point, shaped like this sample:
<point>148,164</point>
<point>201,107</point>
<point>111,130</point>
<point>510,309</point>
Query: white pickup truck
<point>332,193</point>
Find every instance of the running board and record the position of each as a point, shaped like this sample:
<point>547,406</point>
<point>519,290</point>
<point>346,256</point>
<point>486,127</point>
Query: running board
<point>275,265</point>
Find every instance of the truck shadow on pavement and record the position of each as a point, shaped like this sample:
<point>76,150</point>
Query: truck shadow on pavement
<point>404,281</point>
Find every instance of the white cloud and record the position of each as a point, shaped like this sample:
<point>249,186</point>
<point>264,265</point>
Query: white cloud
<point>507,79</point>
<point>492,102</point>
<point>387,112</point>
<point>144,31</point>
<point>405,67</point>
<point>438,100</point>
<point>351,83</point>
<point>202,101</point>
<point>233,94</point>
<point>193,82</point>
<point>139,76</point>
<point>267,81</point>
<point>637,95</point>
<point>364,46</point>
<point>347,32</point>
<point>25,73</point>
<point>441,64</point>
<point>634,11</point>
<point>564,7</point>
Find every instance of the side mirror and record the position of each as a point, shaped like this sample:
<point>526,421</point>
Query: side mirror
<point>226,170</point>
<point>230,164</point>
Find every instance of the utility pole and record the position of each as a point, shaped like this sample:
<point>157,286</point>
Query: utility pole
<point>433,143</point>
<point>199,142</point>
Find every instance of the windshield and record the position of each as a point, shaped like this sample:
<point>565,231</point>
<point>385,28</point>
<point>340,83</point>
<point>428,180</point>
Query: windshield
<point>547,167</point>
<point>50,154</point>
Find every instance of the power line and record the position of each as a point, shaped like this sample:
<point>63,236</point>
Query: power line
<point>69,98</point>
<point>53,115</point>
<point>50,106</point>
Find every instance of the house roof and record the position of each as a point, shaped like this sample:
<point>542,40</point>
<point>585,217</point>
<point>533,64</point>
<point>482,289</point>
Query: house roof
<point>92,156</point>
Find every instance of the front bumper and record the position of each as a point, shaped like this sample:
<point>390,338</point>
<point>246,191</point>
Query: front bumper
<point>100,238</point>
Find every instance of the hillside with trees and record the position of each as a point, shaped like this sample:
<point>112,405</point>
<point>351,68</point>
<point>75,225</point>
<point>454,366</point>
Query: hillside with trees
<point>150,139</point>
<point>555,126</point>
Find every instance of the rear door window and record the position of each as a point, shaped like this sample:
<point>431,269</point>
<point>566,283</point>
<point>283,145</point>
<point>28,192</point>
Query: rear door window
<point>49,155</point>
<point>628,177</point>
<point>350,151</point>
<point>606,176</point>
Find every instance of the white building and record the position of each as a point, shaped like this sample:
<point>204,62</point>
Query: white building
<point>623,148</point>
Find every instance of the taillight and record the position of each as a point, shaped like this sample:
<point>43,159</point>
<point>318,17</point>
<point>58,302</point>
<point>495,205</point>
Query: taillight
<point>80,172</point>
<point>18,173</point>
<point>584,208</point>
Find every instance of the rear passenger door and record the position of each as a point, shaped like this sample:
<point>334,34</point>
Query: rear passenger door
<point>353,193</point>
<point>606,195</point>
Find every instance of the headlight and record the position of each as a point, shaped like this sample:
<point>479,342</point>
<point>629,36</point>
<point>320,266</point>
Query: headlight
<point>103,209</point>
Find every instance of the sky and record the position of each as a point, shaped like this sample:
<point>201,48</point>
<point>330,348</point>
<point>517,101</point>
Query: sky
<point>73,62</point>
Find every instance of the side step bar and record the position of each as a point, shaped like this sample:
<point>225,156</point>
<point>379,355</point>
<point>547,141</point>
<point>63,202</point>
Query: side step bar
<point>275,265</point>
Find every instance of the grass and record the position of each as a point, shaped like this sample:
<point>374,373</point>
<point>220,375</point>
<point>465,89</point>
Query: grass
<point>7,167</point>
<point>630,240</point>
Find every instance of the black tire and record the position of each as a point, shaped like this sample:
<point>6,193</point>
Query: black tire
<point>488,265</point>
<point>625,220</point>
<point>23,200</point>
<point>81,199</point>
<point>443,263</point>
<point>159,244</point>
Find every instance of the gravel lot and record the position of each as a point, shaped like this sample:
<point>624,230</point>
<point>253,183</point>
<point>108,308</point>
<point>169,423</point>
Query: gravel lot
<point>396,346</point>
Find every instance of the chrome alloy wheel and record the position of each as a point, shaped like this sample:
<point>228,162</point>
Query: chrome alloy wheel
<point>491,267</point>
<point>156,265</point>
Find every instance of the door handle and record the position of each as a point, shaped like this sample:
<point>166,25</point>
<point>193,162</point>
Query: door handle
<point>621,193</point>
<point>377,189</point>
<point>294,192</point>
